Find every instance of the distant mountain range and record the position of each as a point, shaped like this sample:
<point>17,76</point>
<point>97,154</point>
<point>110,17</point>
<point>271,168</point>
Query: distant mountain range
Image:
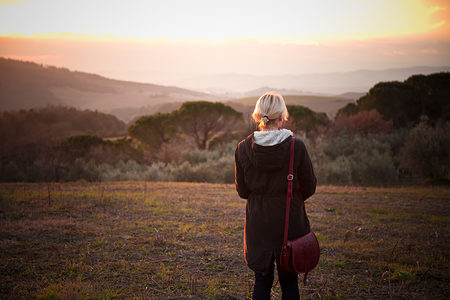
<point>315,83</point>
<point>25,85</point>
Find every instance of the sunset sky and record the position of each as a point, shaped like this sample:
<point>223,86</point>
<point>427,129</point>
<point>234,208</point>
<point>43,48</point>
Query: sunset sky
<point>160,41</point>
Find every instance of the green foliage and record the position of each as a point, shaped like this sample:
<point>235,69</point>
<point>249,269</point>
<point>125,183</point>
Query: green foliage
<point>90,147</point>
<point>206,166</point>
<point>433,91</point>
<point>303,119</point>
<point>125,150</point>
<point>349,109</point>
<point>215,171</point>
<point>84,140</point>
<point>403,275</point>
<point>354,160</point>
<point>225,138</point>
<point>79,145</point>
<point>202,121</point>
<point>35,171</point>
<point>54,123</point>
<point>405,102</point>
<point>154,130</point>
<point>32,139</point>
<point>426,151</point>
<point>396,101</point>
<point>131,170</point>
<point>363,122</point>
<point>194,166</point>
<point>362,151</point>
<point>81,169</point>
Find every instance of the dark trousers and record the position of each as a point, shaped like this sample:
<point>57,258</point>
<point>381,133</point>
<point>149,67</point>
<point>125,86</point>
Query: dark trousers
<point>288,283</point>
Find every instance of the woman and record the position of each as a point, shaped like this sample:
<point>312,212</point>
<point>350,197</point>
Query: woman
<point>261,169</point>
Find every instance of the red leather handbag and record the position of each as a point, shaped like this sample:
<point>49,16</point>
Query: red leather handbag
<point>300,255</point>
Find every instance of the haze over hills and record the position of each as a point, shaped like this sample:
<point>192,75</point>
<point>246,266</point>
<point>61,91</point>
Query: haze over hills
<point>316,83</point>
<point>26,85</point>
<point>327,104</point>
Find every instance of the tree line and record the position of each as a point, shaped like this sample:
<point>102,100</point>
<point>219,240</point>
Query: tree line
<point>379,140</point>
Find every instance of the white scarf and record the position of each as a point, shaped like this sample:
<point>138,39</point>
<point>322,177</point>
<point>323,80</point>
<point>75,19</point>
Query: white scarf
<point>271,137</point>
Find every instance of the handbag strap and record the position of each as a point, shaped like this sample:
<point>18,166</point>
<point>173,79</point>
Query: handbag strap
<point>290,179</point>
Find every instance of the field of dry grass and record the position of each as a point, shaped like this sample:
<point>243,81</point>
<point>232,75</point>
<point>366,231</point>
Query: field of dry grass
<point>184,240</point>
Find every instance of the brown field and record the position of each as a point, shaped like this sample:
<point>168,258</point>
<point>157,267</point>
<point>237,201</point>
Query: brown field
<point>184,240</point>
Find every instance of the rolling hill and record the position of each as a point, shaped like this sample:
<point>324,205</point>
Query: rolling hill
<point>25,85</point>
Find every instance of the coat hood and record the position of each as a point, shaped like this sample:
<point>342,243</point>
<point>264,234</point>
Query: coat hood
<point>271,137</point>
<point>270,149</point>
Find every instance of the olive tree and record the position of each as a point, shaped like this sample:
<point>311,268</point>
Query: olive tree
<point>154,130</point>
<point>202,121</point>
<point>302,118</point>
<point>426,151</point>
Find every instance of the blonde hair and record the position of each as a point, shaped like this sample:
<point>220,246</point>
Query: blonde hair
<point>269,106</point>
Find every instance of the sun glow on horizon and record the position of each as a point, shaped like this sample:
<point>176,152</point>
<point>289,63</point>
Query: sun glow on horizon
<point>157,41</point>
<point>202,20</point>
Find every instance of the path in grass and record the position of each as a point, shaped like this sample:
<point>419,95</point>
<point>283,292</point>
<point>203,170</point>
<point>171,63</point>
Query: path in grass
<point>172,240</point>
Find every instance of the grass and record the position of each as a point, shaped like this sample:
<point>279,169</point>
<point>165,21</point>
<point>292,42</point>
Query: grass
<point>184,240</point>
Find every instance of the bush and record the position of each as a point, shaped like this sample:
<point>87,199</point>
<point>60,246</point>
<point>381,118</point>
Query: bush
<point>365,160</point>
<point>82,169</point>
<point>338,171</point>
<point>363,122</point>
<point>132,170</point>
<point>426,151</point>
<point>207,166</point>
<point>373,168</point>
<point>11,173</point>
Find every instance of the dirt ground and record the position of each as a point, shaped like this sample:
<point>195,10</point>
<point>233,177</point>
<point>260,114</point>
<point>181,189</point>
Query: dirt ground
<point>184,241</point>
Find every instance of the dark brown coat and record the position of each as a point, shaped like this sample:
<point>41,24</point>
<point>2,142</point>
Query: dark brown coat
<point>261,178</point>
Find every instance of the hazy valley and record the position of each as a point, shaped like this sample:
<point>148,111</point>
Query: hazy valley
<point>25,85</point>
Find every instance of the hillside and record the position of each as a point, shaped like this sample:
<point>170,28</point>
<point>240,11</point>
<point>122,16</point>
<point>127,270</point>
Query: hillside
<point>328,104</point>
<point>25,85</point>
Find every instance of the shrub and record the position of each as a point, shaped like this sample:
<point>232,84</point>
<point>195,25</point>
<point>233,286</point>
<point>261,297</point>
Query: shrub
<point>132,170</point>
<point>345,159</point>
<point>11,173</point>
<point>338,171</point>
<point>363,122</point>
<point>426,151</point>
<point>82,169</point>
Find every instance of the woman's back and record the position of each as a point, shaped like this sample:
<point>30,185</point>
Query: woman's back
<point>261,177</point>
<point>262,167</point>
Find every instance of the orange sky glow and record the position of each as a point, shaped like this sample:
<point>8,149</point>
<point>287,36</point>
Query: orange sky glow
<point>164,41</point>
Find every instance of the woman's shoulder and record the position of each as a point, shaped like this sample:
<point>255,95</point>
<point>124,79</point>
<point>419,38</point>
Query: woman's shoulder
<point>299,144</point>
<point>247,141</point>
